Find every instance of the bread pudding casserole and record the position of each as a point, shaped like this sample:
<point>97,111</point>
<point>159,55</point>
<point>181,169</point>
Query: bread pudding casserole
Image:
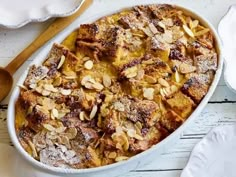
<point>115,87</point>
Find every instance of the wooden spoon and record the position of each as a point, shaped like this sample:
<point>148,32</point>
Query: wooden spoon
<point>6,79</point>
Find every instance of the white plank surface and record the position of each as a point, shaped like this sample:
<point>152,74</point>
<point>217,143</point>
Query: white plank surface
<point>220,110</point>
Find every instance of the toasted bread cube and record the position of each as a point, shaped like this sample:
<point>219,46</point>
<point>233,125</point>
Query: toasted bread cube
<point>107,47</point>
<point>171,121</point>
<point>157,69</point>
<point>53,60</point>
<point>181,104</point>
<point>88,32</point>
<point>28,98</point>
<point>195,89</point>
<point>158,49</point>
<point>35,74</point>
<point>54,55</point>
<point>205,63</point>
<point>129,21</point>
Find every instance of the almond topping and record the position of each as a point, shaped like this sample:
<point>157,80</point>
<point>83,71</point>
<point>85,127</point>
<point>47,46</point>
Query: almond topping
<point>97,86</point>
<point>81,115</point>
<point>204,31</point>
<point>65,92</point>
<point>188,31</point>
<point>131,72</point>
<point>177,77</point>
<point>93,112</point>
<point>71,133</point>
<point>163,82</point>
<point>49,127</point>
<point>119,106</point>
<point>193,24</point>
<point>148,93</point>
<point>45,92</point>
<point>32,86</point>
<point>32,146</point>
<point>61,62</point>
<point>112,155</point>
<point>88,64</point>
<point>50,88</point>
<point>55,113</point>
<point>121,158</point>
<point>106,80</point>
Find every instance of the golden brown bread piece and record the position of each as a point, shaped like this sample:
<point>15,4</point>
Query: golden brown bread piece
<point>181,104</point>
<point>171,121</point>
<point>195,89</point>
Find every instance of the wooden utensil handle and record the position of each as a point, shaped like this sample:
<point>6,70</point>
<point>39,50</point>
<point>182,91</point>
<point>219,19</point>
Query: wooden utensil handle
<point>58,25</point>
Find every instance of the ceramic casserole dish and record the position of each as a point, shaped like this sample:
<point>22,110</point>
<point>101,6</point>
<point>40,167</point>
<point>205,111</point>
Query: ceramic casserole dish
<point>135,161</point>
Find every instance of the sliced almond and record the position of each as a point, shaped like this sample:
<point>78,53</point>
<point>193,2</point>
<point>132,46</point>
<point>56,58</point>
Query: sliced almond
<point>65,92</point>
<point>148,93</point>
<point>162,25</point>
<point>140,74</point>
<point>147,31</point>
<point>193,24</point>
<point>23,87</point>
<point>87,81</point>
<point>88,64</point>
<point>138,137</point>
<point>81,115</point>
<point>177,77</point>
<point>106,80</point>
<point>163,82</point>
<point>55,113</point>
<point>112,155</point>
<point>60,129</point>
<point>32,86</point>
<point>70,77</point>
<point>150,79</point>
<point>97,86</point>
<point>119,106</point>
<point>71,133</point>
<point>32,146</point>
<point>131,72</point>
<point>174,88</point>
<point>65,140</point>
<point>49,127</point>
<point>45,92</point>
<point>121,158</point>
<point>162,92</point>
<point>152,28</point>
<point>202,32</point>
<point>62,60</point>
<point>188,31</point>
<point>93,112</point>
<point>50,87</point>
<point>131,133</point>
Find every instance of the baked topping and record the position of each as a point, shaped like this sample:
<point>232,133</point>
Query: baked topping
<point>116,87</point>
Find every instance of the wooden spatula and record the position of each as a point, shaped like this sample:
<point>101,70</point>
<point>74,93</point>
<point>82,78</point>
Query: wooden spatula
<point>6,80</point>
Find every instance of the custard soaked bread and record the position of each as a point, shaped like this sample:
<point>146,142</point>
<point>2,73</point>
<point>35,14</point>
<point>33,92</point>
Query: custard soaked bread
<point>116,87</point>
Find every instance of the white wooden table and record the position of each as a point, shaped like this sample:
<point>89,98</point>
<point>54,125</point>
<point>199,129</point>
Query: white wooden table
<point>221,109</point>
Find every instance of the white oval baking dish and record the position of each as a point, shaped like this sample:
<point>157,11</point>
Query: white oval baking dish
<point>135,161</point>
